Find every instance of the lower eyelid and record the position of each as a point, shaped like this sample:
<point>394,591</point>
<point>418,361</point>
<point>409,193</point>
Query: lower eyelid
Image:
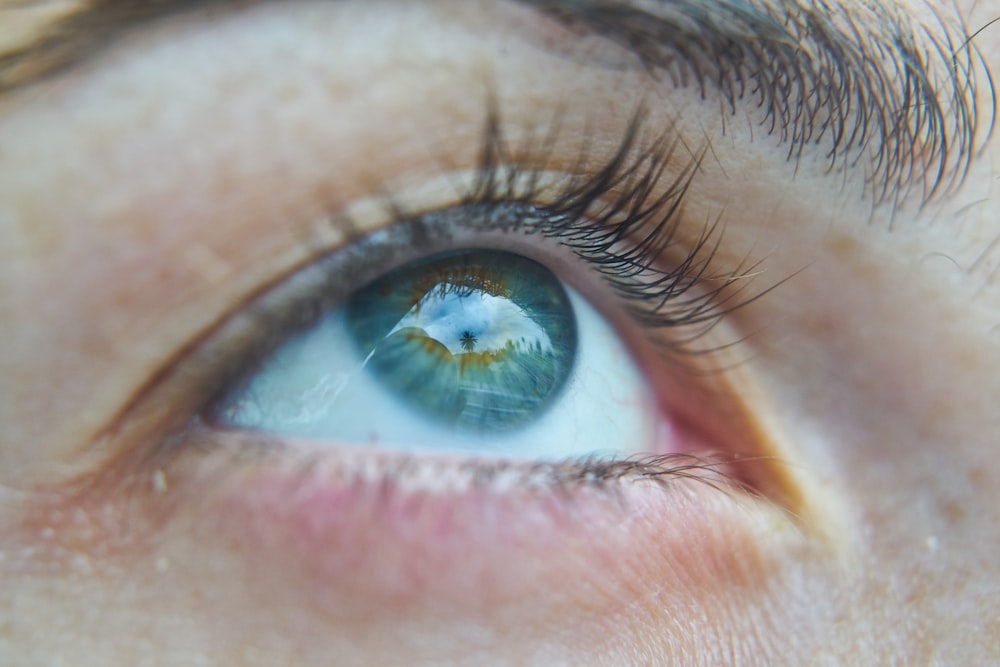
<point>386,545</point>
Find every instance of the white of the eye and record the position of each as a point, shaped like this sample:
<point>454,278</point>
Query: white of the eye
<point>316,387</point>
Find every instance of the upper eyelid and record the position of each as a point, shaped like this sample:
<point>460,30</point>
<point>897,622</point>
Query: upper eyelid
<point>847,88</point>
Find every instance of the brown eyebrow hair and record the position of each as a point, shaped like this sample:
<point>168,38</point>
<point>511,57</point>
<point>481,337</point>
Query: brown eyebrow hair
<point>861,81</point>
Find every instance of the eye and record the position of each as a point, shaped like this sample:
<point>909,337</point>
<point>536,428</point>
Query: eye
<point>481,352</point>
<point>511,325</point>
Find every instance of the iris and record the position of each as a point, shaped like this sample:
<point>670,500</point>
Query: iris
<point>481,340</point>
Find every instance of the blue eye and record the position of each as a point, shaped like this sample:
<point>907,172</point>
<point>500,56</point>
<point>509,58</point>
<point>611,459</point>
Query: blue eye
<point>482,341</point>
<point>479,352</point>
<point>488,353</point>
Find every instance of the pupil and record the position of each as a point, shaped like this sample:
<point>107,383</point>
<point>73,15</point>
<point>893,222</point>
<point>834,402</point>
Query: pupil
<point>482,340</point>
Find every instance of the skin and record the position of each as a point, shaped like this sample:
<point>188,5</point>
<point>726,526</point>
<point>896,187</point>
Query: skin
<point>147,195</point>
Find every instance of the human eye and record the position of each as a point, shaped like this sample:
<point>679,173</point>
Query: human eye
<point>446,330</point>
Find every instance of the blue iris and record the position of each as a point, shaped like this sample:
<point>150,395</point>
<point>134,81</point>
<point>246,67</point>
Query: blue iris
<point>482,340</point>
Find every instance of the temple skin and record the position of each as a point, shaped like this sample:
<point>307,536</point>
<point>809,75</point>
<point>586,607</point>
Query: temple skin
<point>163,184</point>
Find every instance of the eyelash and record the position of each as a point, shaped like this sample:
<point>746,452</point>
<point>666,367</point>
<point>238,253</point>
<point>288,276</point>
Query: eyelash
<point>594,217</point>
<point>583,219</point>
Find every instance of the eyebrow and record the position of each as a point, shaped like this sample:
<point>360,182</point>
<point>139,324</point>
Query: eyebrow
<point>861,81</point>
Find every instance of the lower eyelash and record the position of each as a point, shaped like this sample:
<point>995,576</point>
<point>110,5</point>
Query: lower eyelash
<point>402,471</point>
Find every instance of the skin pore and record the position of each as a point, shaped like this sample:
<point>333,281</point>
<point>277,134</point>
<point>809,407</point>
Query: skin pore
<point>165,184</point>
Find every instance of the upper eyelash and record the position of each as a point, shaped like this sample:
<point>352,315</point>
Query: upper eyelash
<point>597,217</point>
<point>581,216</point>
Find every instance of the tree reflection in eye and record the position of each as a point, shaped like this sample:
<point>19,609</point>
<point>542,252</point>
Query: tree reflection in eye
<point>468,341</point>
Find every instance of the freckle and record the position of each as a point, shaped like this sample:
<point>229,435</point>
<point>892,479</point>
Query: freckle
<point>980,479</point>
<point>289,92</point>
<point>952,511</point>
<point>34,236</point>
<point>818,326</point>
<point>843,247</point>
<point>968,358</point>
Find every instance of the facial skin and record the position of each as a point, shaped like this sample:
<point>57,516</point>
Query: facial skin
<point>159,188</point>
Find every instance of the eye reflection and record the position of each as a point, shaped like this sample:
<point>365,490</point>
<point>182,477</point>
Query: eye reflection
<point>482,340</point>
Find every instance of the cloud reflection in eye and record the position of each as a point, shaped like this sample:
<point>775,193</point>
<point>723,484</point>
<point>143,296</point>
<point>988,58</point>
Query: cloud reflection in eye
<point>474,320</point>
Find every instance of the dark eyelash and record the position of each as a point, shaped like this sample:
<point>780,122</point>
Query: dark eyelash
<point>625,237</point>
<point>620,220</point>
